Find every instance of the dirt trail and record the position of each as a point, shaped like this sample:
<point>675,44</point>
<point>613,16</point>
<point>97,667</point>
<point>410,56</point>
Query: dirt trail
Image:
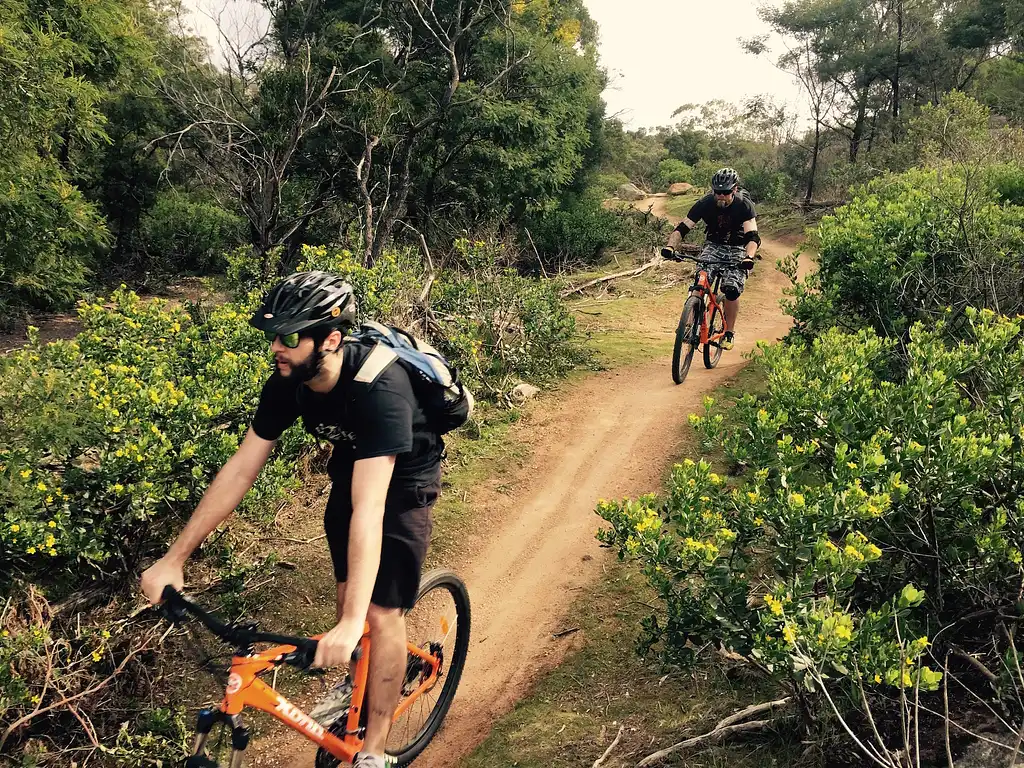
<point>609,435</point>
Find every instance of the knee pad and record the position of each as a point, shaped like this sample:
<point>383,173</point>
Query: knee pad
<point>731,292</point>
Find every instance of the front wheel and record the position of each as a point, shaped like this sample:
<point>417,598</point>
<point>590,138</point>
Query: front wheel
<point>716,330</point>
<point>687,338</point>
<point>439,621</point>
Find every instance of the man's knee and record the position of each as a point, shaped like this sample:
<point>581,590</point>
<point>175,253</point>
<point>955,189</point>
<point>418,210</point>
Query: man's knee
<point>384,619</point>
<point>732,292</point>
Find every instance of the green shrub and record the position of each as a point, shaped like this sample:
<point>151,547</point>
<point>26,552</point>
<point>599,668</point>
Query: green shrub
<point>49,235</point>
<point>671,171</point>
<point>498,326</point>
<point>577,231</point>
<point>1008,182</point>
<point>905,248</point>
<point>110,439</point>
<point>876,506</point>
<point>184,233</point>
<point>607,184</point>
<point>765,185</point>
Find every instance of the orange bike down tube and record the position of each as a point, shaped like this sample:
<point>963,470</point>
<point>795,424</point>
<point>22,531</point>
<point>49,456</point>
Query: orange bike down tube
<point>245,689</point>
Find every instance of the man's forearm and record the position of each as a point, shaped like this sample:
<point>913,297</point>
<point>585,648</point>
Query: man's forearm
<point>751,249</point>
<point>224,494</point>
<point>365,536</point>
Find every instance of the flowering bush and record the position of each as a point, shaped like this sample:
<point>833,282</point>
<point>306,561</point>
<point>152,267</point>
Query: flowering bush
<point>105,441</point>
<point>906,247</point>
<point>877,506</point>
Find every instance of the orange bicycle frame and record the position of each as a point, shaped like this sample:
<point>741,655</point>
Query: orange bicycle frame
<point>246,689</point>
<point>702,286</point>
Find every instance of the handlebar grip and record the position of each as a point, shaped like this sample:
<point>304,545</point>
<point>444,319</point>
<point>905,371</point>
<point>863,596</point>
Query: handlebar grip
<point>668,253</point>
<point>170,605</point>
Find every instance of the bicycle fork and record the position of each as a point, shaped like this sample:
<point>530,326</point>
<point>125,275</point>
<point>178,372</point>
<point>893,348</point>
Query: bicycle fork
<point>204,725</point>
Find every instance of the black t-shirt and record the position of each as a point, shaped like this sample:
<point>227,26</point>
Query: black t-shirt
<point>384,420</point>
<point>724,225</point>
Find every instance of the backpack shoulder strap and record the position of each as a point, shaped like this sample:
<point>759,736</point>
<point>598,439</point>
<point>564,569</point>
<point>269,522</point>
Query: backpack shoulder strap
<point>380,357</point>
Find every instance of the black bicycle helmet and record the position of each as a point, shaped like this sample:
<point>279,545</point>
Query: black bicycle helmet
<point>724,180</point>
<point>304,301</point>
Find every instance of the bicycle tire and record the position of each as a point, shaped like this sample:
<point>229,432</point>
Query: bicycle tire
<point>687,334</point>
<point>713,350</point>
<point>449,580</point>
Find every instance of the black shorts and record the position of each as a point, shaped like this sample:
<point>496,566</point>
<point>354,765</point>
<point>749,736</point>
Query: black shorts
<point>408,522</point>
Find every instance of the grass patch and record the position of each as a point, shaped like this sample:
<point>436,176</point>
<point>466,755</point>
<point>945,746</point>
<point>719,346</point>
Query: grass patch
<point>574,712</point>
<point>678,206</point>
<point>633,320</point>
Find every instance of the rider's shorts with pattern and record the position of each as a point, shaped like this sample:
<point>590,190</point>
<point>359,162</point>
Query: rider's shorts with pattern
<point>733,278</point>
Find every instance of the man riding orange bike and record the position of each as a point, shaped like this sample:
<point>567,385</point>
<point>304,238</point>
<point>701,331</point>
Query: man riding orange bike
<point>385,468</point>
<point>731,224</point>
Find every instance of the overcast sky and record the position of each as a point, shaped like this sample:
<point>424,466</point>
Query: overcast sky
<point>660,54</point>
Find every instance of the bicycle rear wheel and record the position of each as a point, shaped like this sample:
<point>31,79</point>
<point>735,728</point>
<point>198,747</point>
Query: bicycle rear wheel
<point>716,327</point>
<point>687,338</point>
<point>439,621</point>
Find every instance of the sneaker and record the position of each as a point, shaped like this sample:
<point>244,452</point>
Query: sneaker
<point>368,761</point>
<point>334,705</point>
<point>728,339</point>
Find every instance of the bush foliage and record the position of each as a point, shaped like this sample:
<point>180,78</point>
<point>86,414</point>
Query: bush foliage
<point>875,505</point>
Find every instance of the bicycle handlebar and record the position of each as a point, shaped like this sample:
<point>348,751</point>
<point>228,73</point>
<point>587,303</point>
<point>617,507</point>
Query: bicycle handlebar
<point>668,253</point>
<point>176,606</point>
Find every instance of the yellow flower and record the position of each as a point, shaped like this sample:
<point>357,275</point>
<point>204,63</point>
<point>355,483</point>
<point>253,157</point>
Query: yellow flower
<point>118,488</point>
<point>49,499</point>
<point>851,465</point>
<point>53,553</point>
<point>95,655</point>
<point>40,486</point>
<point>843,632</point>
<point>754,496</point>
<point>52,524</point>
<point>789,634</point>
<point>715,479</point>
<point>26,473</point>
<point>50,540</point>
<point>30,551</point>
<point>878,678</point>
<point>758,521</point>
<point>773,604</point>
<point>105,634</point>
<point>15,528</point>
<point>796,499</point>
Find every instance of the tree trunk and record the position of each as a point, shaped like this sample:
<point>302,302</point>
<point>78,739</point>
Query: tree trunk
<point>896,77</point>
<point>858,126</point>
<point>814,162</point>
<point>395,210</point>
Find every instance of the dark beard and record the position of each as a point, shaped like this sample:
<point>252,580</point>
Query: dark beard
<point>308,369</point>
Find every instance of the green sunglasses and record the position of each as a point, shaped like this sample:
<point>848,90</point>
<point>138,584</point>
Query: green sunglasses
<point>290,340</point>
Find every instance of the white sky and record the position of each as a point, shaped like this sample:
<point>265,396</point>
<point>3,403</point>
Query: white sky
<point>661,54</point>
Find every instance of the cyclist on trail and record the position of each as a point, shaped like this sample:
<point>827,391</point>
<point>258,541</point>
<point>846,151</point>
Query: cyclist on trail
<point>731,225</point>
<point>385,468</point>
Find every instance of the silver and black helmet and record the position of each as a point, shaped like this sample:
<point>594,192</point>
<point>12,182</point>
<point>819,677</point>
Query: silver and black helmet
<point>304,301</point>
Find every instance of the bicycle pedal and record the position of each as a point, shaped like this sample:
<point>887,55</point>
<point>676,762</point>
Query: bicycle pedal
<point>200,761</point>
